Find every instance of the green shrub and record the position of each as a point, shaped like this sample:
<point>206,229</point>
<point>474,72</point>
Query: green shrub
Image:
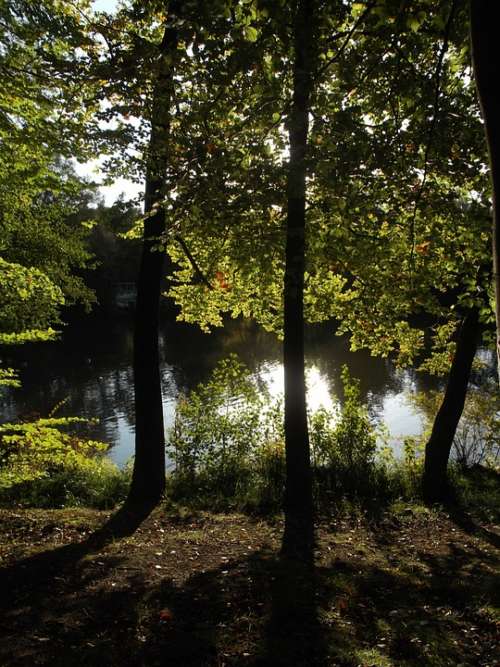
<point>42,465</point>
<point>477,439</point>
<point>344,447</point>
<point>398,479</point>
<point>267,481</point>
<point>477,490</point>
<point>227,446</point>
<point>226,443</point>
<point>214,429</point>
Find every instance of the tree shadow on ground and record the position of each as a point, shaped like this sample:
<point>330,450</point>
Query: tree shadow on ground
<point>386,605</point>
<point>106,611</point>
<point>468,524</point>
<point>39,569</point>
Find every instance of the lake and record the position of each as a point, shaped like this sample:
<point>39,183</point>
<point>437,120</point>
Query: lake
<point>89,371</point>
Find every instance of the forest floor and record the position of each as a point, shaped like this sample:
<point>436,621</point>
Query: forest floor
<point>415,588</point>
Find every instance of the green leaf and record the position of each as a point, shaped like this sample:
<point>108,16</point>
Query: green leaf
<point>414,24</point>
<point>250,33</point>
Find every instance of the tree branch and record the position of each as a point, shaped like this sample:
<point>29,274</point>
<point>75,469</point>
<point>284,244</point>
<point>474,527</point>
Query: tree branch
<point>437,94</point>
<point>193,262</point>
<point>344,45</point>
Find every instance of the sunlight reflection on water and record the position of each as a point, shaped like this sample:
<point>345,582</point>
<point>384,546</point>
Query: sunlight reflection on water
<point>318,391</point>
<point>90,370</point>
<point>396,411</point>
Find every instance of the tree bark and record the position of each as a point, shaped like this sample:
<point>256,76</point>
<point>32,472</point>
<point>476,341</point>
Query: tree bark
<point>437,451</point>
<point>298,491</point>
<point>148,480</point>
<point>486,65</point>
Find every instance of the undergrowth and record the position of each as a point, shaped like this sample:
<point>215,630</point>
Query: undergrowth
<point>227,450</point>
<point>42,464</point>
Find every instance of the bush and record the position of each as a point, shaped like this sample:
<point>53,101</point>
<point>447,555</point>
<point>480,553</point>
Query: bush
<point>477,489</point>
<point>401,478</point>
<point>227,445</point>
<point>41,465</point>
<point>226,441</point>
<point>473,467</point>
<point>343,446</point>
<point>477,439</point>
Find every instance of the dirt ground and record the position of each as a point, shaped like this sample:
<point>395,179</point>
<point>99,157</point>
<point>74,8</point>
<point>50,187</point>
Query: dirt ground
<point>416,588</point>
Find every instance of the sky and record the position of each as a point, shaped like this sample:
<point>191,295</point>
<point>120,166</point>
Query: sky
<point>110,193</point>
<point>104,5</point>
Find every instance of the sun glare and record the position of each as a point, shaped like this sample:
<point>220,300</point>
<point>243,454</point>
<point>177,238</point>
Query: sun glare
<point>318,391</point>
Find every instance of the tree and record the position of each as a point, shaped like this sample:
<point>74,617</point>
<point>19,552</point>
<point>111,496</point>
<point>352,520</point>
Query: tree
<point>298,490</point>
<point>415,253</point>
<point>169,88</point>
<point>148,480</point>
<point>486,74</point>
<point>41,125</point>
<point>445,193</point>
<point>247,277</point>
<point>438,447</point>
<point>239,155</point>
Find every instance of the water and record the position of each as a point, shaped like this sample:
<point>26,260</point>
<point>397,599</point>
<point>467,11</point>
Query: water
<point>90,369</point>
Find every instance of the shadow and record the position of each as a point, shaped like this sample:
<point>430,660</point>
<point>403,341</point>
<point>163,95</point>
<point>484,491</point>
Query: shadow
<point>467,523</point>
<point>233,616</point>
<point>294,632</point>
<point>37,571</point>
<point>218,616</point>
<point>404,600</point>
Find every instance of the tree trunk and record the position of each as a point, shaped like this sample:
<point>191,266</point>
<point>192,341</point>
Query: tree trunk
<point>148,481</point>
<point>486,64</point>
<point>298,493</point>
<point>437,451</point>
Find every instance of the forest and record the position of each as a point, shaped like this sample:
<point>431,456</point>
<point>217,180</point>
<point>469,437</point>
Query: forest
<point>292,171</point>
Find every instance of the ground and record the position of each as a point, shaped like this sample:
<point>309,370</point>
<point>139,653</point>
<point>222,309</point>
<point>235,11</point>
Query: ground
<point>415,588</point>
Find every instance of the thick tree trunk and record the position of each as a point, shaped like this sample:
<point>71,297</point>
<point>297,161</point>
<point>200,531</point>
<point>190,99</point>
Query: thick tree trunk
<point>486,64</point>
<point>148,481</point>
<point>437,451</point>
<point>298,493</point>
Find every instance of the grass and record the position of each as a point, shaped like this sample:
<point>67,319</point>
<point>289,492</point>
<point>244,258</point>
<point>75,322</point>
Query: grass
<point>416,588</point>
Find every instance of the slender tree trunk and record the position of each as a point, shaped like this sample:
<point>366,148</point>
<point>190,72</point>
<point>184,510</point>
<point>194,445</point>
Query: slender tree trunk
<point>486,64</point>
<point>437,451</point>
<point>298,493</point>
<point>148,481</point>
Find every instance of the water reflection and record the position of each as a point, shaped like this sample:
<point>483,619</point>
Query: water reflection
<point>318,388</point>
<point>90,369</point>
